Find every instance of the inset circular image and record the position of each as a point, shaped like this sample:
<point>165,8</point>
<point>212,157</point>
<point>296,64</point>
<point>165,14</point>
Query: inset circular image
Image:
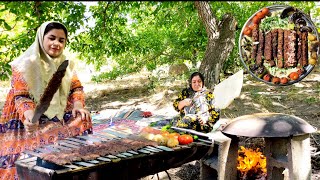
<point>279,45</point>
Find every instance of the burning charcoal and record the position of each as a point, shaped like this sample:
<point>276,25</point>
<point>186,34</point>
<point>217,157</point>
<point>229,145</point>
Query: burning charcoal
<point>251,163</point>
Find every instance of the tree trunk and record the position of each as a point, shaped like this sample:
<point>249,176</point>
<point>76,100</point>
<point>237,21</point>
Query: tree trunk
<point>221,40</point>
<point>36,8</point>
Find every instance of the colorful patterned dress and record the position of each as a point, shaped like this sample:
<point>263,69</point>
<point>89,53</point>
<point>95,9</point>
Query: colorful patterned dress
<point>13,137</point>
<point>202,106</point>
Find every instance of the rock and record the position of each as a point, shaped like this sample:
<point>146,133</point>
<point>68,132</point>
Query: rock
<point>178,69</point>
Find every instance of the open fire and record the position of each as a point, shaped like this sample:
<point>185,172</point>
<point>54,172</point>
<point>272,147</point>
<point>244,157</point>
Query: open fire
<point>251,164</point>
<point>285,141</point>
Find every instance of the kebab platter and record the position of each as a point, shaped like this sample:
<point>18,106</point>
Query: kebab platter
<point>279,45</point>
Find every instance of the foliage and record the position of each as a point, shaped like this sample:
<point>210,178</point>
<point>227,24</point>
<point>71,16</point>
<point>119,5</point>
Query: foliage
<point>127,35</point>
<point>4,70</point>
<point>311,100</point>
<point>19,22</point>
<point>142,35</point>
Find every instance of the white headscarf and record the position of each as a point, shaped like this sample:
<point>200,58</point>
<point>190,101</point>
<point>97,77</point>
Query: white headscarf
<point>37,68</point>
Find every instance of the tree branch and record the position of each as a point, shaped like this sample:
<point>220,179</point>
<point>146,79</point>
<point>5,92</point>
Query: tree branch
<point>104,16</point>
<point>36,8</point>
<point>177,56</point>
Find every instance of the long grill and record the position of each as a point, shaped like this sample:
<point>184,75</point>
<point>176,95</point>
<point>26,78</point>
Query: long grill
<point>130,164</point>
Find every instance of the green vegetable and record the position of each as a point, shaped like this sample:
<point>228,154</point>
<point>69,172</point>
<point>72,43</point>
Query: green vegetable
<point>274,22</point>
<point>166,127</point>
<point>291,26</point>
<point>153,124</point>
<point>195,137</point>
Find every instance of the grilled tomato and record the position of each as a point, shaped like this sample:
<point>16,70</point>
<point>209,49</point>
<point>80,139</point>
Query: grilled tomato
<point>294,75</point>
<point>275,80</point>
<point>185,139</point>
<point>265,11</point>
<point>283,80</point>
<point>267,77</point>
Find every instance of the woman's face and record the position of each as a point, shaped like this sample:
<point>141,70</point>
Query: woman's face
<point>54,42</point>
<point>196,83</point>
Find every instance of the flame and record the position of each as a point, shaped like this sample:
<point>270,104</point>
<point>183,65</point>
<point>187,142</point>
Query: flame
<point>251,160</point>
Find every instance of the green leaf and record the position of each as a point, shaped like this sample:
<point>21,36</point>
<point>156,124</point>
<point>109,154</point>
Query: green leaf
<point>6,25</point>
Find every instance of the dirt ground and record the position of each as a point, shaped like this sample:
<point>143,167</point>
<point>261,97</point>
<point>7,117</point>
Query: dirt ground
<point>301,99</point>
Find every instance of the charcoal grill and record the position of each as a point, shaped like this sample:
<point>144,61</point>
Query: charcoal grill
<point>126,165</point>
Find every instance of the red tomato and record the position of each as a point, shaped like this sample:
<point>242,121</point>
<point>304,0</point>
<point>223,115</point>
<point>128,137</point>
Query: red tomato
<point>283,80</point>
<point>247,31</point>
<point>252,26</point>
<point>300,71</point>
<point>275,80</point>
<point>260,15</point>
<point>185,139</point>
<point>267,77</point>
<point>265,11</point>
<point>294,75</point>
<point>256,20</point>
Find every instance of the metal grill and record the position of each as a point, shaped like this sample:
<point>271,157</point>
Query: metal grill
<point>125,165</point>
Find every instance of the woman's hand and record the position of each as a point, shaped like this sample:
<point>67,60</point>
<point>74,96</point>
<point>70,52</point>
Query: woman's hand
<point>183,103</point>
<point>202,121</point>
<point>28,125</point>
<point>78,109</point>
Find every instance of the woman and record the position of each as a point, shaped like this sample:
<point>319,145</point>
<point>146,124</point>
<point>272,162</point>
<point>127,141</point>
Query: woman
<point>196,106</point>
<point>31,72</point>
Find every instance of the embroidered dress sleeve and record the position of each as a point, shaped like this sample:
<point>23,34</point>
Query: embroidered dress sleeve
<point>76,91</point>
<point>214,112</point>
<point>22,99</point>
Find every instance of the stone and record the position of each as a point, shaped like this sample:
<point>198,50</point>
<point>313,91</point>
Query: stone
<point>178,69</point>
